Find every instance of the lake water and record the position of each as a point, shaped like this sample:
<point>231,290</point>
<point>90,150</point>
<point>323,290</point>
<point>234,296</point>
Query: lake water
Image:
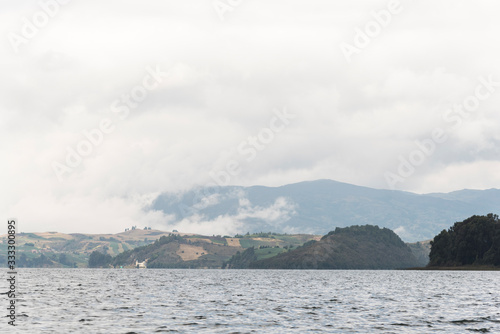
<point>254,301</point>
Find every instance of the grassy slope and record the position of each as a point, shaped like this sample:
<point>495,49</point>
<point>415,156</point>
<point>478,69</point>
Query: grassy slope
<point>77,247</point>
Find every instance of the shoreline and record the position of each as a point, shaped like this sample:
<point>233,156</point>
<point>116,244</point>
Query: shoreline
<point>458,268</point>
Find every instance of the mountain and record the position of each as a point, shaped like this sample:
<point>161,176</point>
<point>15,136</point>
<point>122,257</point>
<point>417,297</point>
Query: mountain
<point>481,198</point>
<point>316,207</point>
<point>355,247</point>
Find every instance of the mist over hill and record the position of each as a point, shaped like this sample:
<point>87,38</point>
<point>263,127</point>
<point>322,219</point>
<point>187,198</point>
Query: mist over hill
<point>317,207</point>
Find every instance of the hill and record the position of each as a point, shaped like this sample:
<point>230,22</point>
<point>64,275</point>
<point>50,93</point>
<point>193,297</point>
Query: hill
<point>315,207</point>
<point>472,242</point>
<point>421,250</point>
<point>53,249</point>
<point>175,251</point>
<point>355,247</point>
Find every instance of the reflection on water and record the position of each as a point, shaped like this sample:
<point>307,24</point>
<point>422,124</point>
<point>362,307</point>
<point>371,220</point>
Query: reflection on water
<point>248,301</point>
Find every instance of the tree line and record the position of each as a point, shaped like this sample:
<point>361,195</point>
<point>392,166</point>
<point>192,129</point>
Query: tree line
<point>474,241</point>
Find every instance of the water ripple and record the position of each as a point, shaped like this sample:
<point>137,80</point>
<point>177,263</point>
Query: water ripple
<point>247,301</point>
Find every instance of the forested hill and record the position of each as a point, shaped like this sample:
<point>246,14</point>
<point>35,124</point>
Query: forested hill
<point>355,247</point>
<point>472,242</point>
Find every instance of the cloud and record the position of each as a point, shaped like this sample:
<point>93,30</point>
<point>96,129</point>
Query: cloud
<point>274,215</point>
<point>402,233</point>
<point>207,201</point>
<point>353,120</point>
<point>83,213</point>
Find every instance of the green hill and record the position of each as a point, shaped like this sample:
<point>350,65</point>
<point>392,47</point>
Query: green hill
<point>175,251</point>
<point>355,247</point>
<point>472,242</point>
<point>60,250</point>
<point>161,249</point>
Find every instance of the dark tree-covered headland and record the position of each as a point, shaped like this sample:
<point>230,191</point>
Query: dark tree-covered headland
<point>241,260</point>
<point>474,241</point>
<point>99,260</point>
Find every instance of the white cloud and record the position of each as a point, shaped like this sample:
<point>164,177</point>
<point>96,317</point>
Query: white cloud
<point>274,215</point>
<point>402,232</point>
<point>353,120</point>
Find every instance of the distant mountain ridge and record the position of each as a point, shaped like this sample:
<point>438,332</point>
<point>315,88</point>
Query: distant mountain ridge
<point>317,207</point>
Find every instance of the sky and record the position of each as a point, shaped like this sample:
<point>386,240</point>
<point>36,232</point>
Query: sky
<point>106,104</point>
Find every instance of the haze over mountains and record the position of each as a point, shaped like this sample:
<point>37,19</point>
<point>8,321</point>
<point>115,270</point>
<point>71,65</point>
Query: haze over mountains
<point>317,207</point>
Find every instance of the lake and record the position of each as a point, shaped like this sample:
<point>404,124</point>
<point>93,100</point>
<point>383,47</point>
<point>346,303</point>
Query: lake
<point>254,301</point>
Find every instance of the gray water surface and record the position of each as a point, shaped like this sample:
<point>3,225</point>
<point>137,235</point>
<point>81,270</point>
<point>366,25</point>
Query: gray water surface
<point>255,301</point>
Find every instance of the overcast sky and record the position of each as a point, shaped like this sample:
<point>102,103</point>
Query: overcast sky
<point>175,94</point>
